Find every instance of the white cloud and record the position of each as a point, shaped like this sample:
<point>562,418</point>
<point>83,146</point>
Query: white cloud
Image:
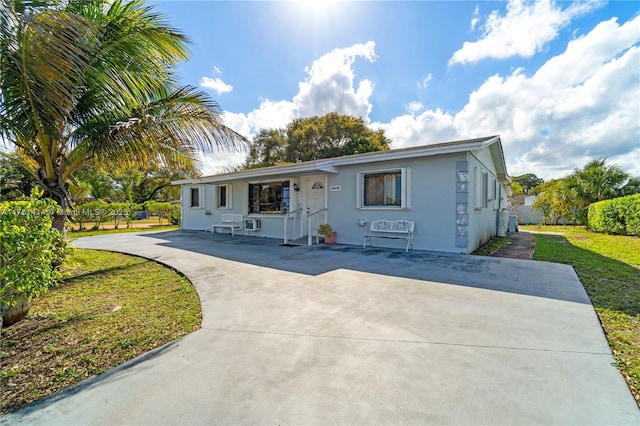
<point>423,129</point>
<point>217,70</point>
<point>580,105</point>
<point>475,19</point>
<point>215,84</point>
<point>424,83</point>
<point>525,30</point>
<point>414,106</point>
<point>330,86</point>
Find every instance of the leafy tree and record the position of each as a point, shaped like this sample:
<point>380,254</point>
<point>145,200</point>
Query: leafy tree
<point>159,209</point>
<point>155,184</point>
<point>93,82</point>
<point>516,188</point>
<point>527,182</point>
<point>268,148</point>
<point>100,185</point>
<point>555,201</point>
<point>15,181</point>
<point>312,138</point>
<point>597,181</point>
<point>570,197</point>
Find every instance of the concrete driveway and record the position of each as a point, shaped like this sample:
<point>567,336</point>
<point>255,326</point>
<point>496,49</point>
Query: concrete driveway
<point>342,335</point>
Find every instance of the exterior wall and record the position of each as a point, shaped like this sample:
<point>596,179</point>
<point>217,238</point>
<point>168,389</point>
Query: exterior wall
<point>197,218</point>
<point>483,207</point>
<point>432,203</point>
<point>527,215</point>
<point>436,198</point>
<point>202,218</point>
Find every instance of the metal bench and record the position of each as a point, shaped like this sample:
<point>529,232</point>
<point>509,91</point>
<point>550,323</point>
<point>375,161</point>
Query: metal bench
<point>232,222</point>
<point>390,229</point>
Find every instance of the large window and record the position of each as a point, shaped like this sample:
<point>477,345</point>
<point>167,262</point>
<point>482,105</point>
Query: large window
<point>383,189</point>
<point>269,197</point>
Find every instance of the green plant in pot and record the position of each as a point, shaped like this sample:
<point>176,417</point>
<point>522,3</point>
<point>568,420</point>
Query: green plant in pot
<point>329,234</point>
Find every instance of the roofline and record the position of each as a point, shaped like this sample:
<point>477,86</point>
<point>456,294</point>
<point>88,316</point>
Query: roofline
<point>328,165</point>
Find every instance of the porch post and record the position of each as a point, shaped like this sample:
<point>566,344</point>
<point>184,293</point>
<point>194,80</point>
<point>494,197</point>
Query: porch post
<point>286,240</point>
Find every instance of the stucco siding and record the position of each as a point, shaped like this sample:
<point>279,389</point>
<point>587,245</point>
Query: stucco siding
<point>453,195</point>
<point>432,203</point>
<point>484,205</point>
<point>196,218</point>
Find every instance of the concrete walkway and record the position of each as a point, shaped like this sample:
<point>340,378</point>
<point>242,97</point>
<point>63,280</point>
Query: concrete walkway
<point>342,335</point>
<point>521,246</point>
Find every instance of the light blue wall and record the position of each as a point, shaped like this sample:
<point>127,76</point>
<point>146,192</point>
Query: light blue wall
<point>483,220</point>
<point>434,204</point>
<point>432,195</point>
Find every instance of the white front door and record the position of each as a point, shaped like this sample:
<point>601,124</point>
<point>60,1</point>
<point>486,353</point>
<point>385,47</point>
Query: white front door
<point>314,198</point>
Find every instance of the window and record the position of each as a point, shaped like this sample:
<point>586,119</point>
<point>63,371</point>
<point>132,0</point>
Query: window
<point>196,197</point>
<point>481,186</point>
<point>485,189</point>
<point>224,196</point>
<point>383,189</point>
<point>269,197</point>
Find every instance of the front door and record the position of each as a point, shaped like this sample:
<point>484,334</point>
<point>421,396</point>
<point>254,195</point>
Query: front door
<point>314,198</point>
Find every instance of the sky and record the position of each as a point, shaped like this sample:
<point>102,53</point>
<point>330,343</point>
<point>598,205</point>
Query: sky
<point>558,81</point>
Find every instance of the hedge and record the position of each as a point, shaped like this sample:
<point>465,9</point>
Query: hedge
<point>616,216</point>
<point>30,249</point>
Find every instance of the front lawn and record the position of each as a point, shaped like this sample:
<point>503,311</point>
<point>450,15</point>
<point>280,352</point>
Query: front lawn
<point>609,269</point>
<point>109,309</point>
<point>73,234</point>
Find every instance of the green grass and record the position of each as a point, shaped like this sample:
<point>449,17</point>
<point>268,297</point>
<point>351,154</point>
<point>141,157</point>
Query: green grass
<point>491,246</point>
<point>123,229</point>
<point>109,308</point>
<point>609,269</point>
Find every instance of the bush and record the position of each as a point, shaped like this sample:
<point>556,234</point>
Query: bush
<point>175,213</point>
<point>30,249</point>
<point>160,209</point>
<point>616,216</point>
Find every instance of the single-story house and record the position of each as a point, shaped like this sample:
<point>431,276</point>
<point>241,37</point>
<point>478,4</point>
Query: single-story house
<point>454,192</point>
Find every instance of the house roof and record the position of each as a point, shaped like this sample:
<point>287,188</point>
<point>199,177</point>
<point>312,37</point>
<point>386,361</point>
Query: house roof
<point>329,165</point>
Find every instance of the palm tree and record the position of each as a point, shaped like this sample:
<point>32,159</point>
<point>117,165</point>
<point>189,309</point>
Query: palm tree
<point>93,82</point>
<point>597,181</point>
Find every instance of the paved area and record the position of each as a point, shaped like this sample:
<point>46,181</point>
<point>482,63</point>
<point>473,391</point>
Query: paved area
<point>345,335</point>
<point>522,246</point>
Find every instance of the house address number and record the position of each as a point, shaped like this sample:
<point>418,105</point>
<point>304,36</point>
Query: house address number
<point>335,188</point>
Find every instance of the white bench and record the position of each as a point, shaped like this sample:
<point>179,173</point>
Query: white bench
<point>232,222</point>
<point>390,229</point>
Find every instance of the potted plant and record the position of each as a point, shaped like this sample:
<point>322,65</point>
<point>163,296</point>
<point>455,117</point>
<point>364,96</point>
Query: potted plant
<point>329,234</point>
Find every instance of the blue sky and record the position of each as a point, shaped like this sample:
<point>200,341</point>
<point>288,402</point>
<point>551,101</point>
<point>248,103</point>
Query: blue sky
<point>559,81</point>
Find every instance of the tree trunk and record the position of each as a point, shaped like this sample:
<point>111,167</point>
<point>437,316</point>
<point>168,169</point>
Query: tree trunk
<point>59,192</point>
<point>60,222</point>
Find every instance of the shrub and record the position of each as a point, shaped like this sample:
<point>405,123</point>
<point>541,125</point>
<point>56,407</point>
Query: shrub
<point>160,209</point>
<point>30,249</point>
<point>616,216</point>
<point>325,229</point>
<point>175,213</point>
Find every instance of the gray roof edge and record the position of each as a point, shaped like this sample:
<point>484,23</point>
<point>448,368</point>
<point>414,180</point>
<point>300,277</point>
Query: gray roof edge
<point>326,164</point>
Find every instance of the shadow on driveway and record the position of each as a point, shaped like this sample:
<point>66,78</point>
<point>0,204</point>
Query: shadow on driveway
<point>533,278</point>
